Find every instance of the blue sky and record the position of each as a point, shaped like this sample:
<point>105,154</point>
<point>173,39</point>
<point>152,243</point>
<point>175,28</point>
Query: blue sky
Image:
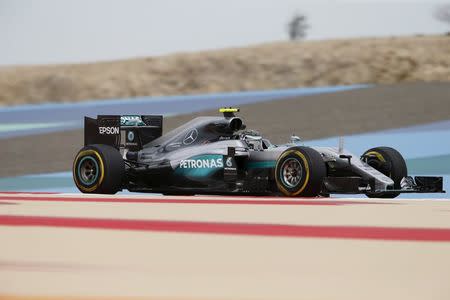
<point>60,31</point>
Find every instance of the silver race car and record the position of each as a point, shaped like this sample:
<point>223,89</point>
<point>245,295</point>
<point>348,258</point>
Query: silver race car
<point>218,155</point>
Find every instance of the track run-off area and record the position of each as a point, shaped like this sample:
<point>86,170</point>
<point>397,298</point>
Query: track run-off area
<point>222,247</point>
<point>56,243</point>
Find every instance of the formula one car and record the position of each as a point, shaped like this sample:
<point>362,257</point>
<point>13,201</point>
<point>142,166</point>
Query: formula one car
<point>217,155</point>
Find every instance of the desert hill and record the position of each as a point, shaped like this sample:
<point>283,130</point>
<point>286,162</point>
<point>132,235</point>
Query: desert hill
<point>266,66</point>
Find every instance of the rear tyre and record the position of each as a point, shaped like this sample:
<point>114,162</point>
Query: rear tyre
<point>300,171</point>
<point>389,162</point>
<point>98,169</point>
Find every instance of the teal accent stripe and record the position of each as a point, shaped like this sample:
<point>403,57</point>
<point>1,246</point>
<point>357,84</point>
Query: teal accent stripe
<point>423,166</point>
<point>261,164</point>
<point>431,165</point>
<point>199,172</point>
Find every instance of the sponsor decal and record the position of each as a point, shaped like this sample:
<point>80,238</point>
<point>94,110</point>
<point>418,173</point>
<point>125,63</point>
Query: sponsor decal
<point>130,136</point>
<point>230,170</point>
<point>201,163</point>
<point>229,162</point>
<point>190,137</point>
<point>200,166</point>
<point>108,130</point>
<point>131,121</point>
<point>130,118</point>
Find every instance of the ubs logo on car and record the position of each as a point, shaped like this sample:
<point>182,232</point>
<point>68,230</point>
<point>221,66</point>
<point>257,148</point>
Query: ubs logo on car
<point>108,130</point>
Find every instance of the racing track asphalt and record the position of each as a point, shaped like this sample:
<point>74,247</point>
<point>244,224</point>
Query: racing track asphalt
<point>310,117</point>
<point>57,246</point>
<point>73,246</point>
<point>32,119</point>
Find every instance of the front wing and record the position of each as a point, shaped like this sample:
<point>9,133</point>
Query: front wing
<point>357,185</point>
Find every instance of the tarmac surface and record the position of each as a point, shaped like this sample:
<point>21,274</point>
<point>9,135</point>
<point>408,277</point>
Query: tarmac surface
<point>75,246</point>
<point>32,119</point>
<point>310,117</point>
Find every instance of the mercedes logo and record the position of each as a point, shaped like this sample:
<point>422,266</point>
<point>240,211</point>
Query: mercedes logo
<point>190,137</point>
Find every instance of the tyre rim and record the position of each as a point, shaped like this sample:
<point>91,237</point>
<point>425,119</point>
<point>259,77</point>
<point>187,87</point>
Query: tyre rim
<point>88,170</point>
<point>291,172</point>
<point>378,165</point>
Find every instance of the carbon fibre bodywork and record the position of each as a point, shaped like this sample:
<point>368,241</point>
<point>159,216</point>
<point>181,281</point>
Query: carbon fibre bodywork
<point>217,155</point>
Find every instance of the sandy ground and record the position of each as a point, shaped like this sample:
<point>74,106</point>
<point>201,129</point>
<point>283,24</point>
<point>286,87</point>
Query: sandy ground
<point>88,263</point>
<point>267,66</point>
<point>310,117</point>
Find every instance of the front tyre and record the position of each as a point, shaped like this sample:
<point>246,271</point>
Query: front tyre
<point>300,171</point>
<point>98,169</point>
<point>389,162</point>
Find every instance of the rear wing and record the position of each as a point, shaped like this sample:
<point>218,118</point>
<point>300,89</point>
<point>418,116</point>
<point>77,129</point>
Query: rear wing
<point>130,132</point>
